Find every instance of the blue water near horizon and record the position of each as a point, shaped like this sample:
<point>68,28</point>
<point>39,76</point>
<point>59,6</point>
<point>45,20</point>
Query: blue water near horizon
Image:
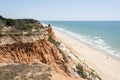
<point>103,35</point>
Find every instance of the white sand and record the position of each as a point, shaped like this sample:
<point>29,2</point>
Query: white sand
<point>107,69</point>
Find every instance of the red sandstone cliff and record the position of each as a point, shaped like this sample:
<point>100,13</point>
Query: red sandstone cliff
<point>34,52</point>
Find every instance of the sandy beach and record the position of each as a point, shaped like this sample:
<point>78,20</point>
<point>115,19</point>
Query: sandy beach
<point>106,67</point>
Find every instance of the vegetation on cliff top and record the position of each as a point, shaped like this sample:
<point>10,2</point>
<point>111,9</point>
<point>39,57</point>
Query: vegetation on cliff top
<point>17,26</point>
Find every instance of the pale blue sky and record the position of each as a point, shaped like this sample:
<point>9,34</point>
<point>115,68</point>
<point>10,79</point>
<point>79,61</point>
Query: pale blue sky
<point>83,10</point>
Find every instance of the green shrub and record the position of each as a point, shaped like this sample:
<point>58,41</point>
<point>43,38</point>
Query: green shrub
<point>51,39</point>
<point>26,21</point>
<point>10,22</point>
<point>1,18</point>
<point>25,27</point>
<point>14,32</point>
<point>56,43</point>
<point>28,27</point>
<point>80,71</point>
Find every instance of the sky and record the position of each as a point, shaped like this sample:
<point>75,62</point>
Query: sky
<point>60,10</point>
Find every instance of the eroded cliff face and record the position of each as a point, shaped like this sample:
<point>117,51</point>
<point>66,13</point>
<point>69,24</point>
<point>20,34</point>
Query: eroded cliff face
<point>32,48</point>
<point>34,52</point>
<point>43,33</point>
<point>27,41</point>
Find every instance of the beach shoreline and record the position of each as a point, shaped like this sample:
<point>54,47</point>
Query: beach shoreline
<point>117,57</point>
<point>104,64</point>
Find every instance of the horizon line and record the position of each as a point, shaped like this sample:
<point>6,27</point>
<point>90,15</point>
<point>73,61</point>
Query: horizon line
<point>79,20</point>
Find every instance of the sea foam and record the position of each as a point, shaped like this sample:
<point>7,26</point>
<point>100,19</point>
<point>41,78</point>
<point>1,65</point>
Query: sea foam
<point>95,42</point>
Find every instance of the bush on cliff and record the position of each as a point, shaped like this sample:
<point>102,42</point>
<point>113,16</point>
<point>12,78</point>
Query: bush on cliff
<point>56,43</point>
<point>80,71</point>
<point>10,22</point>
<point>26,27</point>
<point>1,18</point>
<point>18,26</point>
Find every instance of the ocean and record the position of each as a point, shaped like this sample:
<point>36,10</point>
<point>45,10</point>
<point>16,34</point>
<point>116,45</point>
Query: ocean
<point>102,35</point>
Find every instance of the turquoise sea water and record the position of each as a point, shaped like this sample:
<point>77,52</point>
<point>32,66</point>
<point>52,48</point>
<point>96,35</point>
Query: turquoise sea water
<point>103,35</point>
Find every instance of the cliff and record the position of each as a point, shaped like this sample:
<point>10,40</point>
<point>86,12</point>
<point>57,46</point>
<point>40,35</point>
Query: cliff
<point>32,45</point>
<point>34,52</point>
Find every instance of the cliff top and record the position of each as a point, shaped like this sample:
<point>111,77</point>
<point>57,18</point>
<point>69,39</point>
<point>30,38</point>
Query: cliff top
<point>19,26</point>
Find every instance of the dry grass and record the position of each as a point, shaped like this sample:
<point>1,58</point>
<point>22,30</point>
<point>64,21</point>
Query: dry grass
<point>25,72</point>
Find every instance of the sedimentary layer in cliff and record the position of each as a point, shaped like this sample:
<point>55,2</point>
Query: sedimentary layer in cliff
<point>34,52</point>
